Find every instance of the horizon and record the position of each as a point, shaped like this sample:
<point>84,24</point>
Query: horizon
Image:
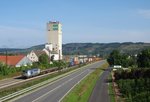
<point>23,23</point>
<point>77,43</point>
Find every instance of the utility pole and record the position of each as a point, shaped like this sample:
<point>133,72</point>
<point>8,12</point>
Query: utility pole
<point>6,57</point>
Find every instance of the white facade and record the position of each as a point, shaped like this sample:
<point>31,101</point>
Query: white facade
<point>33,57</point>
<point>49,47</point>
<point>54,35</point>
<point>50,54</point>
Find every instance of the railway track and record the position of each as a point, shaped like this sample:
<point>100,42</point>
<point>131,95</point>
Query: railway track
<point>19,79</point>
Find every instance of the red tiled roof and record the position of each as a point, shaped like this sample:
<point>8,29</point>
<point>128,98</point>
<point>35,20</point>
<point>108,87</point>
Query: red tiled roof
<point>11,60</point>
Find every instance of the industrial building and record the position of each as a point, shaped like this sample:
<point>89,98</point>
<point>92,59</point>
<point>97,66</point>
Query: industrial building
<point>54,39</point>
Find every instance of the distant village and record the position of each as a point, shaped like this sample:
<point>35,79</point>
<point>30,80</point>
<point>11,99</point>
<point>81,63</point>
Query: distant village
<point>53,49</point>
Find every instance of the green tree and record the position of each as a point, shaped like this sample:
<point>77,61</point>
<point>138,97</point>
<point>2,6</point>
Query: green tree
<point>4,69</point>
<point>143,59</point>
<point>124,60</point>
<point>114,58</point>
<point>44,60</point>
<point>35,64</point>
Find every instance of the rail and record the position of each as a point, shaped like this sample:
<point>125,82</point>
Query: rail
<point>39,85</point>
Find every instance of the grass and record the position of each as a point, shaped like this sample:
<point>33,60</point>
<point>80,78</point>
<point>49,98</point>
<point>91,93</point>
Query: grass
<point>83,90</point>
<point>31,83</point>
<point>10,75</point>
<point>111,90</point>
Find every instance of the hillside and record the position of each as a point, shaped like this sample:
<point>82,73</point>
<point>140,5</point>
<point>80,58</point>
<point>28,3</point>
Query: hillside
<point>21,51</point>
<point>104,48</point>
<point>90,48</point>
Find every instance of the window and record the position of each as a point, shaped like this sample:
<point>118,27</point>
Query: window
<point>55,25</point>
<point>55,28</point>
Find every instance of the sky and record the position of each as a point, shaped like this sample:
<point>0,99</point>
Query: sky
<point>23,22</point>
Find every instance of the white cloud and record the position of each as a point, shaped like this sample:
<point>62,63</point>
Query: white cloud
<point>110,35</point>
<point>133,36</point>
<point>21,37</point>
<point>144,12</point>
<point>24,37</point>
<point>106,35</point>
<point>121,36</point>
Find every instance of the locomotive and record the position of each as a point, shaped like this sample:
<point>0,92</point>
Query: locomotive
<point>31,72</point>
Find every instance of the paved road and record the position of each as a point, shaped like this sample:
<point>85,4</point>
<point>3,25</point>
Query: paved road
<point>54,92</point>
<point>100,92</point>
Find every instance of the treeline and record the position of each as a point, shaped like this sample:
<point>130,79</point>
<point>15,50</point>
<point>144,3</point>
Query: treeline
<point>141,60</point>
<point>133,73</point>
<point>44,62</point>
<point>134,85</point>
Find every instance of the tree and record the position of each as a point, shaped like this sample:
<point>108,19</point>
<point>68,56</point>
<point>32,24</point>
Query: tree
<point>44,59</point>
<point>143,58</point>
<point>114,58</point>
<point>35,64</point>
<point>124,60</point>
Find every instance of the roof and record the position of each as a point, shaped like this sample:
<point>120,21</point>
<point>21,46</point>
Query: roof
<point>11,60</point>
<point>39,52</point>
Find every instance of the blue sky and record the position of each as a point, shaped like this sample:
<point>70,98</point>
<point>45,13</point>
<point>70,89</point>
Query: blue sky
<point>23,22</point>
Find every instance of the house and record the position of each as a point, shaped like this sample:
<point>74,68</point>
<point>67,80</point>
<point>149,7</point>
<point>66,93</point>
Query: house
<point>16,61</point>
<point>52,54</point>
<point>34,55</point>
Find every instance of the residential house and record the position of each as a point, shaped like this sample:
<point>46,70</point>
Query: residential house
<point>52,54</point>
<point>16,61</point>
<point>34,55</point>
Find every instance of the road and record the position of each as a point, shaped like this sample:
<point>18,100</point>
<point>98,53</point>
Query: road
<point>100,91</point>
<point>55,91</point>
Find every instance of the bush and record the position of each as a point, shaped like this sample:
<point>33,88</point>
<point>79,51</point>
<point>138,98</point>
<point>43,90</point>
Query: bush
<point>134,85</point>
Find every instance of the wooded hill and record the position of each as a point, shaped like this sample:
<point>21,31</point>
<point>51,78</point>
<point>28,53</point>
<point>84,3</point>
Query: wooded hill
<point>102,49</point>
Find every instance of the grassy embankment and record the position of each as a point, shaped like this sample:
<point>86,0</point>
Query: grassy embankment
<point>111,90</point>
<point>83,90</point>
